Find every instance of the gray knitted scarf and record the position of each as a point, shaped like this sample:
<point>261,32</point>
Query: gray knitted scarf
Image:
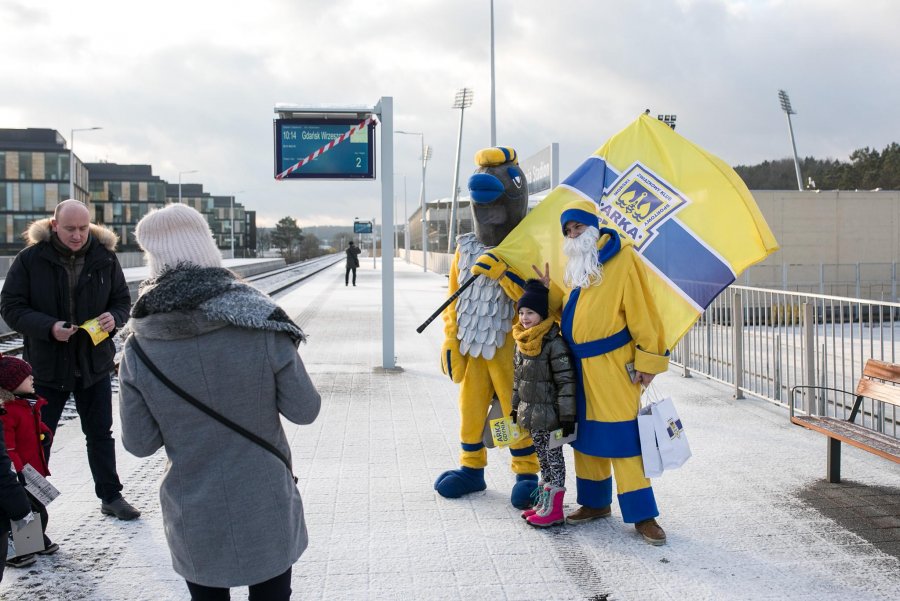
<point>219,294</point>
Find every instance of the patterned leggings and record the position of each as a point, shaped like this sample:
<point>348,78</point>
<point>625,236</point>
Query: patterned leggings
<point>553,466</point>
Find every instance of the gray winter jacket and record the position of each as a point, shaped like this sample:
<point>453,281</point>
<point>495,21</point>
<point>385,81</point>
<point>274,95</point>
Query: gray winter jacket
<point>231,511</point>
<point>544,385</point>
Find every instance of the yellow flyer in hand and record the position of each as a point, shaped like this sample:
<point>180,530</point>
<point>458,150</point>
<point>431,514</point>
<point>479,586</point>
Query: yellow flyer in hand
<point>92,327</point>
<point>504,431</point>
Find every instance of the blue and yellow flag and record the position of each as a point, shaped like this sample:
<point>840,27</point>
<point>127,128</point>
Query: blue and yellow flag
<point>688,214</point>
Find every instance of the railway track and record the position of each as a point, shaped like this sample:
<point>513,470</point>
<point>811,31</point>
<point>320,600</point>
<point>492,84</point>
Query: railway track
<point>272,282</point>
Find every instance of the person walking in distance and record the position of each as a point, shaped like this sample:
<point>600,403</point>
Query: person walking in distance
<point>352,263</point>
<point>67,275</point>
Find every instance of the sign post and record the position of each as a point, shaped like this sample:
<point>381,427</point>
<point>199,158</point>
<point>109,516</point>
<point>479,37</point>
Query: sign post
<point>338,142</point>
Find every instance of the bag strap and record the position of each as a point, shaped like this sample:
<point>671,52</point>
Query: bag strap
<point>207,410</point>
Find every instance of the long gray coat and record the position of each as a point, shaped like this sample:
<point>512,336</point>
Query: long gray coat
<point>231,511</point>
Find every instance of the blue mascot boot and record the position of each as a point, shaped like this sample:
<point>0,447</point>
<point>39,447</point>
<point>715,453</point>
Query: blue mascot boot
<point>522,491</point>
<point>456,483</point>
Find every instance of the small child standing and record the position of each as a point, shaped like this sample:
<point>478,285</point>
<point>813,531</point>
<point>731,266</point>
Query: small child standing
<point>26,436</point>
<point>14,504</point>
<point>543,397</point>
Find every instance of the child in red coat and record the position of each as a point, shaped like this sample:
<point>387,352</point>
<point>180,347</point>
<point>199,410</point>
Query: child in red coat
<point>25,434</point>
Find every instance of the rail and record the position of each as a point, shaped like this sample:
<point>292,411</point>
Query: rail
<point>764,342</point>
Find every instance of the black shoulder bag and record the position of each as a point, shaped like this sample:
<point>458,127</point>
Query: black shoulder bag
<point>207,410</point>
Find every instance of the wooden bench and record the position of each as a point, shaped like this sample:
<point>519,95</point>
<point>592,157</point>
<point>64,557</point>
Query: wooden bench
<point>880,382</point>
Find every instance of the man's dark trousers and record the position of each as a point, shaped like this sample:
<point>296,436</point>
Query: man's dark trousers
<point>347,276</point>
<point>94,406</point>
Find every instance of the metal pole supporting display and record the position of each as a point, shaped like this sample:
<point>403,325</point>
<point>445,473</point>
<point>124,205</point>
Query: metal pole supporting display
<point>384,110</point>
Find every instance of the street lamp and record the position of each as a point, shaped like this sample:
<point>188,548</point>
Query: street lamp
<point>461,101</point>
<point>72,157</point>
<point>180,173</point>
<point>426,154</point>
<point>786,107</point>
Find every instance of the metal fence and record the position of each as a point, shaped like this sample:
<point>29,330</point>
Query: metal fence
<point>763,342</point>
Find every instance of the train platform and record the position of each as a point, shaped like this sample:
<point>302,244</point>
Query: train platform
<point>749,516</point>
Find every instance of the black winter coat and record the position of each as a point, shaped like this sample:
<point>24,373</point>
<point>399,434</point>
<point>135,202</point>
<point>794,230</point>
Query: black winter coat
<point>544,385</point>
<point>352,258</point>
<point>36,295</point>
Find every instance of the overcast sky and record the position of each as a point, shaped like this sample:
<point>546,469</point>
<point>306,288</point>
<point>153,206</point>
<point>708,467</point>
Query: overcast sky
<point>192,84</point>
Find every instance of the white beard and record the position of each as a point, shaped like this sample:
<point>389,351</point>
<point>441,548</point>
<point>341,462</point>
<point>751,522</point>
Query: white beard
<point>583,268</point>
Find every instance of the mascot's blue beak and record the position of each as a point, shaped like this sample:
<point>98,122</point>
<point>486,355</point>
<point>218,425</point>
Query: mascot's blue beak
<point>485,188</point>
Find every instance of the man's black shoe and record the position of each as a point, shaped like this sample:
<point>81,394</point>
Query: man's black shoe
<point>120,508</point>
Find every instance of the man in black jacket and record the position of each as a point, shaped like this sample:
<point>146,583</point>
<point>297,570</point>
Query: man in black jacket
<point>67,275</point>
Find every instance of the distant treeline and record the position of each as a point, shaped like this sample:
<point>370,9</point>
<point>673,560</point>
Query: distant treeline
<point>867,170</point>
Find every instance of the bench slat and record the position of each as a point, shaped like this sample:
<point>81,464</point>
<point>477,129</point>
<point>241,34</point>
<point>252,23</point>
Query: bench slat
<point>853,434</point>
<point>882,370</point>
<point>879,391</point>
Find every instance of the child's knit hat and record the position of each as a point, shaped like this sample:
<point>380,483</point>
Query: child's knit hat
<point>13,372</point>
<point>176,234</point>
<point>536,298</point>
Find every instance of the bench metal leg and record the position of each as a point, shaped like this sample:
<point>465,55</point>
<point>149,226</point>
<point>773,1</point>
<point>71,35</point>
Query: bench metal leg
<point>834,460</point>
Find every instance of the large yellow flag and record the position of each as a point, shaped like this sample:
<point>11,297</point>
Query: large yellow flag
<point>688,214</point>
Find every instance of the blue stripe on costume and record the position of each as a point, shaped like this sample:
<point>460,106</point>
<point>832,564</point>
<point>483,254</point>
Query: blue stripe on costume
<point>522,452</point>
<point>606,439</point>
<point>594,493</point>
<point>515,278</point>
<point>682,258</point>
<point>466,446</point>
<point>638,505</point>
<point>591,177</point>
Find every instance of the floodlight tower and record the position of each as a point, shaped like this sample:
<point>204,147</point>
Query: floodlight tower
<point>788,111</point>
<point>461,101</point>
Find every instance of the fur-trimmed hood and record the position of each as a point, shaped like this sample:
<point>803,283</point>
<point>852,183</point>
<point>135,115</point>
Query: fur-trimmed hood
<point>40,230</point>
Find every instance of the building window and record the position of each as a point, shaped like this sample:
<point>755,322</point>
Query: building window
<point>5,197</point>
<point>26,198</point>
<point>25,165</point>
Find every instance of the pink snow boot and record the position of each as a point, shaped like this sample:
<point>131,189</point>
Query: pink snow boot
<point>543,495</point>
<point>552,513</point>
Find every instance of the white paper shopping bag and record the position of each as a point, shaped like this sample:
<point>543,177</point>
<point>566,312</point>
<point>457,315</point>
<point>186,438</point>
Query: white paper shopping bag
<point>670,435</point>
<point>653,466</point>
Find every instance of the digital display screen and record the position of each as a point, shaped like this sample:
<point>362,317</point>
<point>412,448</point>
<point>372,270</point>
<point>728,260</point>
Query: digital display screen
<point>362,227</point>
<point>297,140</point>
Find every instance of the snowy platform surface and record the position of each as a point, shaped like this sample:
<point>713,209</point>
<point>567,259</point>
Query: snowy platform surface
<point>748,517</point>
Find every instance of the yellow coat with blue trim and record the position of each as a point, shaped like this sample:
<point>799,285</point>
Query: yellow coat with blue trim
<point>619,306</point>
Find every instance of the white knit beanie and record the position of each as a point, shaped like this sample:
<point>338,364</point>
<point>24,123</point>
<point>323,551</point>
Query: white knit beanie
<point>176,234</point>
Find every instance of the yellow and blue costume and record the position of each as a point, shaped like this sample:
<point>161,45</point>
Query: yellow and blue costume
<point>479,347</point>
<point>608,325</point>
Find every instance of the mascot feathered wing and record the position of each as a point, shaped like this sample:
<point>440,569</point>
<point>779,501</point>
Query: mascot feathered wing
<point>478,348</point>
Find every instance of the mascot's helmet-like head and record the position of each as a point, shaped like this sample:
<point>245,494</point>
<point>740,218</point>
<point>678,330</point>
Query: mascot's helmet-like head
<point>499,194</point>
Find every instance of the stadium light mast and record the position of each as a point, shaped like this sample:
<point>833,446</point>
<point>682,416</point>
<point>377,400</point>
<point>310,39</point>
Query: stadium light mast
<point>788,111</point>
<point>462,100</point>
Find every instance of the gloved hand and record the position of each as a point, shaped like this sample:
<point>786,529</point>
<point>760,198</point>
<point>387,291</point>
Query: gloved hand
<point>490,265</point>
<point>514,415</point>
<point>19,524</point>
<point>453,363</point>
<point>568,427</point>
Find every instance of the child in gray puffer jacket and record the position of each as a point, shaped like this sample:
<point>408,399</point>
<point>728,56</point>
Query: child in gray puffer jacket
<point>543,397</point>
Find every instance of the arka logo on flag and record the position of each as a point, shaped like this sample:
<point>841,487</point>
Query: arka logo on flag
<point>638,202</point>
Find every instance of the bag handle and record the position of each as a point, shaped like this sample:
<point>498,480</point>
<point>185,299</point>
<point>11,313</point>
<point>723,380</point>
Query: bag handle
<point>207,410</point>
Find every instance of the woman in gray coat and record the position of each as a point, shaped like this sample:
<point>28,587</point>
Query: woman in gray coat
<point>231,509</point>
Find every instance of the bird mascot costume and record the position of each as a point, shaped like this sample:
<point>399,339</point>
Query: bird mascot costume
<point>479,347</point>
